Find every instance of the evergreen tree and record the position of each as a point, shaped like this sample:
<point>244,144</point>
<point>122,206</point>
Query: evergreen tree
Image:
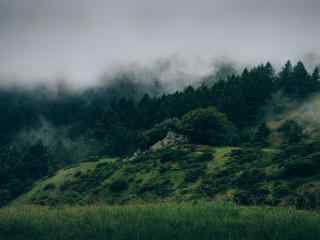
<point>285,77</point>
<point>315,79</point>
<point>316,75</point>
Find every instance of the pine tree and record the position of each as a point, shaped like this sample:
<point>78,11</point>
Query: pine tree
<point>315,78</point>
<point>286,73</point>
<point>316,74</point>
<point>301,81</point>
<point>285,77</point>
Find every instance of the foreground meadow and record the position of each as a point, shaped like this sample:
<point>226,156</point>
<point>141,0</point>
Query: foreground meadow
<point>163,221</point>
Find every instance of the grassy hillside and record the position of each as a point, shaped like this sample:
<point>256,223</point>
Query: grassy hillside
<point>182,173</point>
<point>201,221</point>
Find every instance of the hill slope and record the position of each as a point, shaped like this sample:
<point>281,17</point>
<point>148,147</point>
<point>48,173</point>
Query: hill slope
<point>179,173</point>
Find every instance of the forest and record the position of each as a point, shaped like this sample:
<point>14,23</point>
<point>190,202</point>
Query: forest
<point>43,130</point>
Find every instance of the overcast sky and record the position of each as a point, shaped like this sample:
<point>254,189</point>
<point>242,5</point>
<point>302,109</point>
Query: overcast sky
<point>79,39</point>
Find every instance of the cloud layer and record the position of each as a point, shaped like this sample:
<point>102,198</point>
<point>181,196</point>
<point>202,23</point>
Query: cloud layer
<point>80,39</point>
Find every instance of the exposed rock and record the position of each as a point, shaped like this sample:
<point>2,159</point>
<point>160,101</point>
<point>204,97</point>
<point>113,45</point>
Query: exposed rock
<point>172,139</point>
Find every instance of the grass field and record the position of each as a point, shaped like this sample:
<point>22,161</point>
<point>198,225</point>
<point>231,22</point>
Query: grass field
<point>162,221</point>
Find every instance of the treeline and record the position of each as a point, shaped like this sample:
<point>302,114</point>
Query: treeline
<point>241,97</point>
<point>118,119</point>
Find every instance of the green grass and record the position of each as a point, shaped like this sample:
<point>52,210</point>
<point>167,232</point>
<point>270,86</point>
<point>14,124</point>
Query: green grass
<point>158,222</point>
<point>244,176</point>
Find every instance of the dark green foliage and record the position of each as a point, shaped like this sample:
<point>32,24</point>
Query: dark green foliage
<point>261,135</point>
<point>299,161</point>
<point>247,178</point>
<point>315,77</point>
<point>285,77</point>
<point>246,155</point>
<point>119,185</point>
<point>292,132</point>
<point>296,82</point>
<point>49,187</point>
<point>242,175</point>
<point>299,168</point>
<point>202,221</point>
<point>20,167</point>
<point>241,197</point>
<point>171,154</point>
<point>128,115</point>
<point>204,157</point>
<point>5,196</point>
<point>158,132</point>
<point>307,200</point>
<point>208,126</point>
<point>194,173</point>
<point>155,189</point>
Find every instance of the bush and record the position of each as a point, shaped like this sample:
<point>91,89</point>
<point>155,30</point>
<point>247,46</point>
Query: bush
<point>248,177</point>
<point>291,131</point>
<point>208,126</point>
<point>246,155</point>
<point>170,154</point>
<point>49,187</point>
<point>243,197</point>
<point>193,174</point>
<point>299,168</point>
<point>205,157</point>
<point>240,197</point>
<point>118,185</point>
<point>308,200</point>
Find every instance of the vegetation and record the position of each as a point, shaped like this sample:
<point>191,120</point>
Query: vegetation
<point>182,173</point>
<point>165,221</point>
<point>111,145</point>
<point>208,126</point>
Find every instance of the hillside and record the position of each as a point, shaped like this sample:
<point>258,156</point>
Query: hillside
<point>180,173</point>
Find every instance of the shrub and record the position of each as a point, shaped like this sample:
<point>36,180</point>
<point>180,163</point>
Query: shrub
<point>49,187</point>
<point>291,131</point>
<point>308,200</point>
<point>240,197</point>
<point>193,174</point>
<point>299,168</point>
<point>77,174</point>
<point>163,168</point>
<point>208,126</point>
<point>252,196</point>
<point>204,157</point>
<point>119,185</point>
<point>246,155</point>
<point>67,185</point>
<point>170,154</point>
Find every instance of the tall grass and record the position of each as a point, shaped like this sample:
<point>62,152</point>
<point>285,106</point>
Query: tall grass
<point>155,222</point>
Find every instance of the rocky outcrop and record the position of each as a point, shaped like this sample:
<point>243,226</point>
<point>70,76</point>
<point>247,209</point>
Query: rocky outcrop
<point>172,139</point>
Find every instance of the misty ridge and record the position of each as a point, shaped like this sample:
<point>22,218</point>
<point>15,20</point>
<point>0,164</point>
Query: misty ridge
<point>47,127</point>
<point>35,106</point>
<point>58,106</point>
<point>129,81</point>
